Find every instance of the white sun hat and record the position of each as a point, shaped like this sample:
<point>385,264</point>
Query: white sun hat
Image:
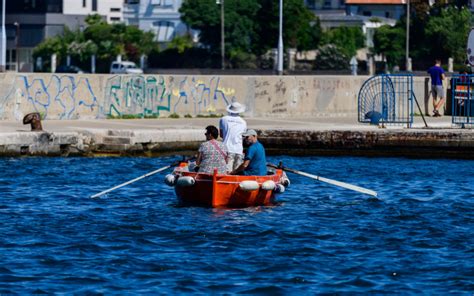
<point>236,108</point>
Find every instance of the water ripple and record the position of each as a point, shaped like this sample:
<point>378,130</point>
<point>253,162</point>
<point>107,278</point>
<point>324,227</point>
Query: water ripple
<point>415,238</point>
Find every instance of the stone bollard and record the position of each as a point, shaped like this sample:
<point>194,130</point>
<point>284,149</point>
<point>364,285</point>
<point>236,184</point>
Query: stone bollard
<point>353,64</point>
<point>35,120</point>
<point>291,59</point>
<point>53,62</point>
<point>275,59</point>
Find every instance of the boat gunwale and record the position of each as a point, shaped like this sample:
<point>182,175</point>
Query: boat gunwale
<point>230,179</point>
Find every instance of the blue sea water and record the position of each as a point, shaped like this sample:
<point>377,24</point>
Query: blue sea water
<point>415,238</point>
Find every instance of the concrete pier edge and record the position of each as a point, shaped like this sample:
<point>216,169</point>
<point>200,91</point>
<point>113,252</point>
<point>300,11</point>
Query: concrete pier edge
<point>419,143</point>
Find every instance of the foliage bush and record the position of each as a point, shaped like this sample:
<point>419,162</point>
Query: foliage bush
<point>242,60</point>
<point>438,31</point>
<point>218,115</point>
<point>347,39</point>
<point>174,115</point>
<point>330,57</point>
<point>104,40</point>
<point>190,58</point>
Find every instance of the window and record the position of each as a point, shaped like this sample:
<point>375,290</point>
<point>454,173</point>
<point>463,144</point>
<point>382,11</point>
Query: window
<point>367,13</point>
<point>114,9</point>
<point>94,5</point>
<point>84,3</point>
<point>11,60</point>
<point>115,19</point>
<point>54,6</point>
<point>387,14</point>
<point>162,2</point>
<point>311,4</point>
<point>164,31</point>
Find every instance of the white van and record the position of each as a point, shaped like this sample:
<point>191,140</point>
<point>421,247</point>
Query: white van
<point>125,67</point>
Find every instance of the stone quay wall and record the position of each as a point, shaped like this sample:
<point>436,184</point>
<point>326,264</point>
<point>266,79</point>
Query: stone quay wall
<point>387,143</point>
<point>95,96</point>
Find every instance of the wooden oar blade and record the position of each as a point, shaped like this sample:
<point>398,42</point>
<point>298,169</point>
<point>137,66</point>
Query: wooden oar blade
<point>130,182</point>
<point>329,181</point>
<point>348,186</point>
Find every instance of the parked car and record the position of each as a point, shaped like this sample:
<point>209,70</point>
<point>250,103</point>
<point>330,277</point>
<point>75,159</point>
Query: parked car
<point>125,67</point>
<point>69,69</point>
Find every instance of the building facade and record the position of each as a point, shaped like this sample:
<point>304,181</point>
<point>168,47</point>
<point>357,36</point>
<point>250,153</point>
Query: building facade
<point>390,9</point>
<point>162,17</point>
<point>111,10</point>
<point>29,22</point>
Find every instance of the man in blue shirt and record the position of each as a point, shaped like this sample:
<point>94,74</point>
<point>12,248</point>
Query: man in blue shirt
<point>255,162</point>
<point>437,77</point>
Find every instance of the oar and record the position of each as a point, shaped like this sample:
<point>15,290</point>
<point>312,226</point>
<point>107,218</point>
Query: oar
<point>326,180</point>
<point>141,177</point>
<point>132,181</point>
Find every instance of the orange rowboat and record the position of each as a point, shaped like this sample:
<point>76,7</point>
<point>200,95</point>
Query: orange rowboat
<point>226,191</point>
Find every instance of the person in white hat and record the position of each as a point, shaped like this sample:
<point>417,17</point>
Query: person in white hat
<point>231,128</point>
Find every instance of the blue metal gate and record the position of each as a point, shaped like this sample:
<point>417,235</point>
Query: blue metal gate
<point>387,99</point>
<point>462,99</point>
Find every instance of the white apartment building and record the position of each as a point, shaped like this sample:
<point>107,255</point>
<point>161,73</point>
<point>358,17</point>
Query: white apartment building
<point>162,17</point>
<point>112,10</point>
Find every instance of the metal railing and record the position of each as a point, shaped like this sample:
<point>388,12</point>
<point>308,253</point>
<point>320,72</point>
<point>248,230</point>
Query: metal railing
<point>462,88</point>
<point>387,99</point>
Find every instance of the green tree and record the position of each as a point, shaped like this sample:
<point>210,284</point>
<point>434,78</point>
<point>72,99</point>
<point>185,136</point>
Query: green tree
<point>181,43</point>
<point>390,42</point>
<point>93,19</point>
<point>448,32</point>
<point>301,28</point>
<point>205,16</point>
<point>348,39</point>
<point>251,26</point>
<point>438,31</point>
<point>99,38</point>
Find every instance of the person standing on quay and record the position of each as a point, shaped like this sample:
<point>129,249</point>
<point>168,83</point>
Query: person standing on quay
<point>231,128</point>
<point>437,89</point>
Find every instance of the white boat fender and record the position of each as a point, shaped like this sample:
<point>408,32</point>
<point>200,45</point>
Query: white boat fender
<point>284,180</point>
<point>268,185</point>
<point>249,185</point>
<point>279,188</point>
<point>170,180</point>
<point>185,181</point>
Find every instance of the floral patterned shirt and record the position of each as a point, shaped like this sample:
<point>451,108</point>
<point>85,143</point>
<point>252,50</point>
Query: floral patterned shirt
<point>212,157</point>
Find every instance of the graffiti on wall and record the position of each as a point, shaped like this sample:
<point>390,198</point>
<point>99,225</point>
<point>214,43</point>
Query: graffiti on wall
<point>56,97</point>
<point>152,95</point>
<point>72,97</point>
<point>136,95</point>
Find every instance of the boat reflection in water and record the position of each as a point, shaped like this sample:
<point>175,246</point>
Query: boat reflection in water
<point>226,191</point>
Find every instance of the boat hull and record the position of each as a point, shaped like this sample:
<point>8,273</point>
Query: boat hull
<point>226,191</point>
